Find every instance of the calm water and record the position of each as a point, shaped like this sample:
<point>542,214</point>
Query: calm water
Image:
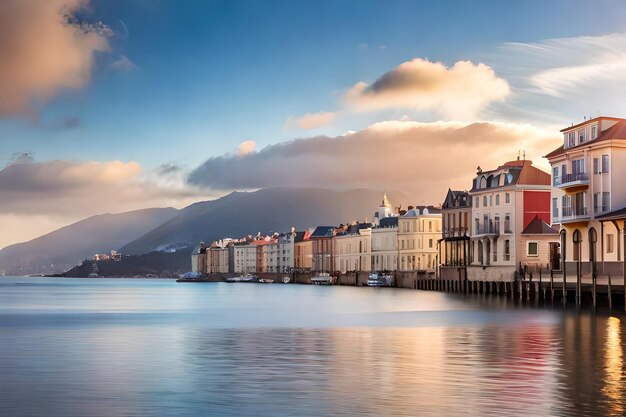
<point>73,347</point>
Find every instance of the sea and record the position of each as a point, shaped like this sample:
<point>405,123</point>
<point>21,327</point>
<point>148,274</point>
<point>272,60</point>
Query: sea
<point>154,347</point>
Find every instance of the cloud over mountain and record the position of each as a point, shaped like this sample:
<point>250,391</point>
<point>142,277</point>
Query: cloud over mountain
<point>456,92</point>
<point>421,158</point>
<point>44,49</point>
<point>311,120</point>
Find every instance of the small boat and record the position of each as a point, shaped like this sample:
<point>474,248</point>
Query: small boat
<point>323,278</point>
<point>286,280</point>
<point>266,280</point>
<point>379,280</point>
<point>243,278</point>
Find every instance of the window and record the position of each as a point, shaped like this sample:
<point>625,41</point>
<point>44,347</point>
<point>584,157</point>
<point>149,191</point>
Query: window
<point>507,250</point>
<point>606,201</point>
<point>594,132</point>
<point>485,201</point>
<point>555,176</point>
<point>555,208</point>
<point>490,200</point>
<point>480,252</point>
<point>570,139</point>
<point>497,199</point>
<point>533,248</point>
<point>596,198</point>
<point>430,243</point>
<point>495,251</point>
<point>596,166</point>
<point>609,243</point>
<point>507,198</point>
<point>605,164</point>
<point>477,202</point>
<point>578,166</point>
<point>581,136</point>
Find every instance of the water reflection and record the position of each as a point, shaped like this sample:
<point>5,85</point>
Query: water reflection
<point>253,350</point>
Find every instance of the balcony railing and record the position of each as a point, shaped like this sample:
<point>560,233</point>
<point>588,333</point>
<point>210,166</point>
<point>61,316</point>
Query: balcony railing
<point>455,232</point>
<point>574,211</point>
<point>489,228</point>
<point>580,177</point>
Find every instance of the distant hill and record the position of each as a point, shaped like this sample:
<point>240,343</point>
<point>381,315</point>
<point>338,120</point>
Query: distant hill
<point>64,248</point>
<point>267,210</point>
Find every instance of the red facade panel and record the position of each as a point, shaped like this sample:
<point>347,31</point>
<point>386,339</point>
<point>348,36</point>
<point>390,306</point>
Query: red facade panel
<point>536,203</point>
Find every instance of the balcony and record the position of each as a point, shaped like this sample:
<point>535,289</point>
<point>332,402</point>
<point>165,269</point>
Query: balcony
<point>488,228</point>
<point>574,213</point>
<point>455,232</point>
<point>572,182</point>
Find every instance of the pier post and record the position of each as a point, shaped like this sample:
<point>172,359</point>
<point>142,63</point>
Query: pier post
<point>552,285</point>
<point>594,279</point>
<point>610,298</point>
<point>537,291</point>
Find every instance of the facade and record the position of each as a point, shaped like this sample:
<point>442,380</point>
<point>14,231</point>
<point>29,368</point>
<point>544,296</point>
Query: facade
<point>303,248</point>
<point>352,248</point>
<point>505,202</point>
<point>456,231</point>
<point>243,257</point>
<point>218,260</point>
<point>589,195</point>
<point>199,259</point>
<point>262,255</point>
<point>281,252</point>
<point>418,232</point>
<point>385,245</point>
<point>323,249</point>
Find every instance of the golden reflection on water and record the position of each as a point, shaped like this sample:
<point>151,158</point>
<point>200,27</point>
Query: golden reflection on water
<point>613,366</point>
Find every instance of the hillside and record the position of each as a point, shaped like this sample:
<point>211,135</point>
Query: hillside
<point>266,210</point>
<point>66,247</point>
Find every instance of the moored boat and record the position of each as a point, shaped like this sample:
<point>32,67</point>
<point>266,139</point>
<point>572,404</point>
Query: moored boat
<point>323,278</point>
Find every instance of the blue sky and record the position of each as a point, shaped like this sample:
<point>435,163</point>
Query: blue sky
<point>151,106</point>
<point>211,74</point>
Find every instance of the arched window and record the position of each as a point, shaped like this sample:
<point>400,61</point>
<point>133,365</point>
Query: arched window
<point>577,239</point>
<point>484,201</point>
<point>480,252</point>
<point>497,199</point>
<point>483,182</point>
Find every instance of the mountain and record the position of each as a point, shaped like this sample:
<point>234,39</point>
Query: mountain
<point>62,249</point>
<point>267,210</point>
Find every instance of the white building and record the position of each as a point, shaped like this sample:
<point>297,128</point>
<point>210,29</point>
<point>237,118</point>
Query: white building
<point>418,232</point>
<point>385,245</point>
<point>243,257</point>
<point>281,253</point>
<point>352,248</point>
<point>589,195</point>
<point>384,210</point>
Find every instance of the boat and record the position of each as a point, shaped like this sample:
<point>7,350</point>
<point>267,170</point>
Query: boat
<point>243,278</point>
<point>323,278</point>
<point>266,280</point>
<point>376,279</point>
<point>286,280</point>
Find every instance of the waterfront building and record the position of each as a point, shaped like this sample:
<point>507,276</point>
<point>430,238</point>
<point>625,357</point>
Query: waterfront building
<point>262,254</point>
<point>589,195</point>
<point>303,247</point>
<point>352,248</point>
<point>218,257</point>
<point>419,229</point>
<point>456,214</point>
<point>243,257</point>
<point>281,252</point>
<point>385,244</point>
<point>199,259</point>
<point>506,201</point>
<point>323,248</point>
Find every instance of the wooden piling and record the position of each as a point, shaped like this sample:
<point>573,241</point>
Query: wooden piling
<point>594,279</point>
<point>552,286</point>
<point>610,298</point>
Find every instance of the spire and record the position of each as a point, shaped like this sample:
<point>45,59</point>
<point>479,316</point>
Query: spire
<point>385,202</point>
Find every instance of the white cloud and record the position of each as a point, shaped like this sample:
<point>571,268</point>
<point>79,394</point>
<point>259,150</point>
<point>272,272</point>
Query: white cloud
<point>458,92</point>
<point>246,148</point>
<point>421,158</point>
